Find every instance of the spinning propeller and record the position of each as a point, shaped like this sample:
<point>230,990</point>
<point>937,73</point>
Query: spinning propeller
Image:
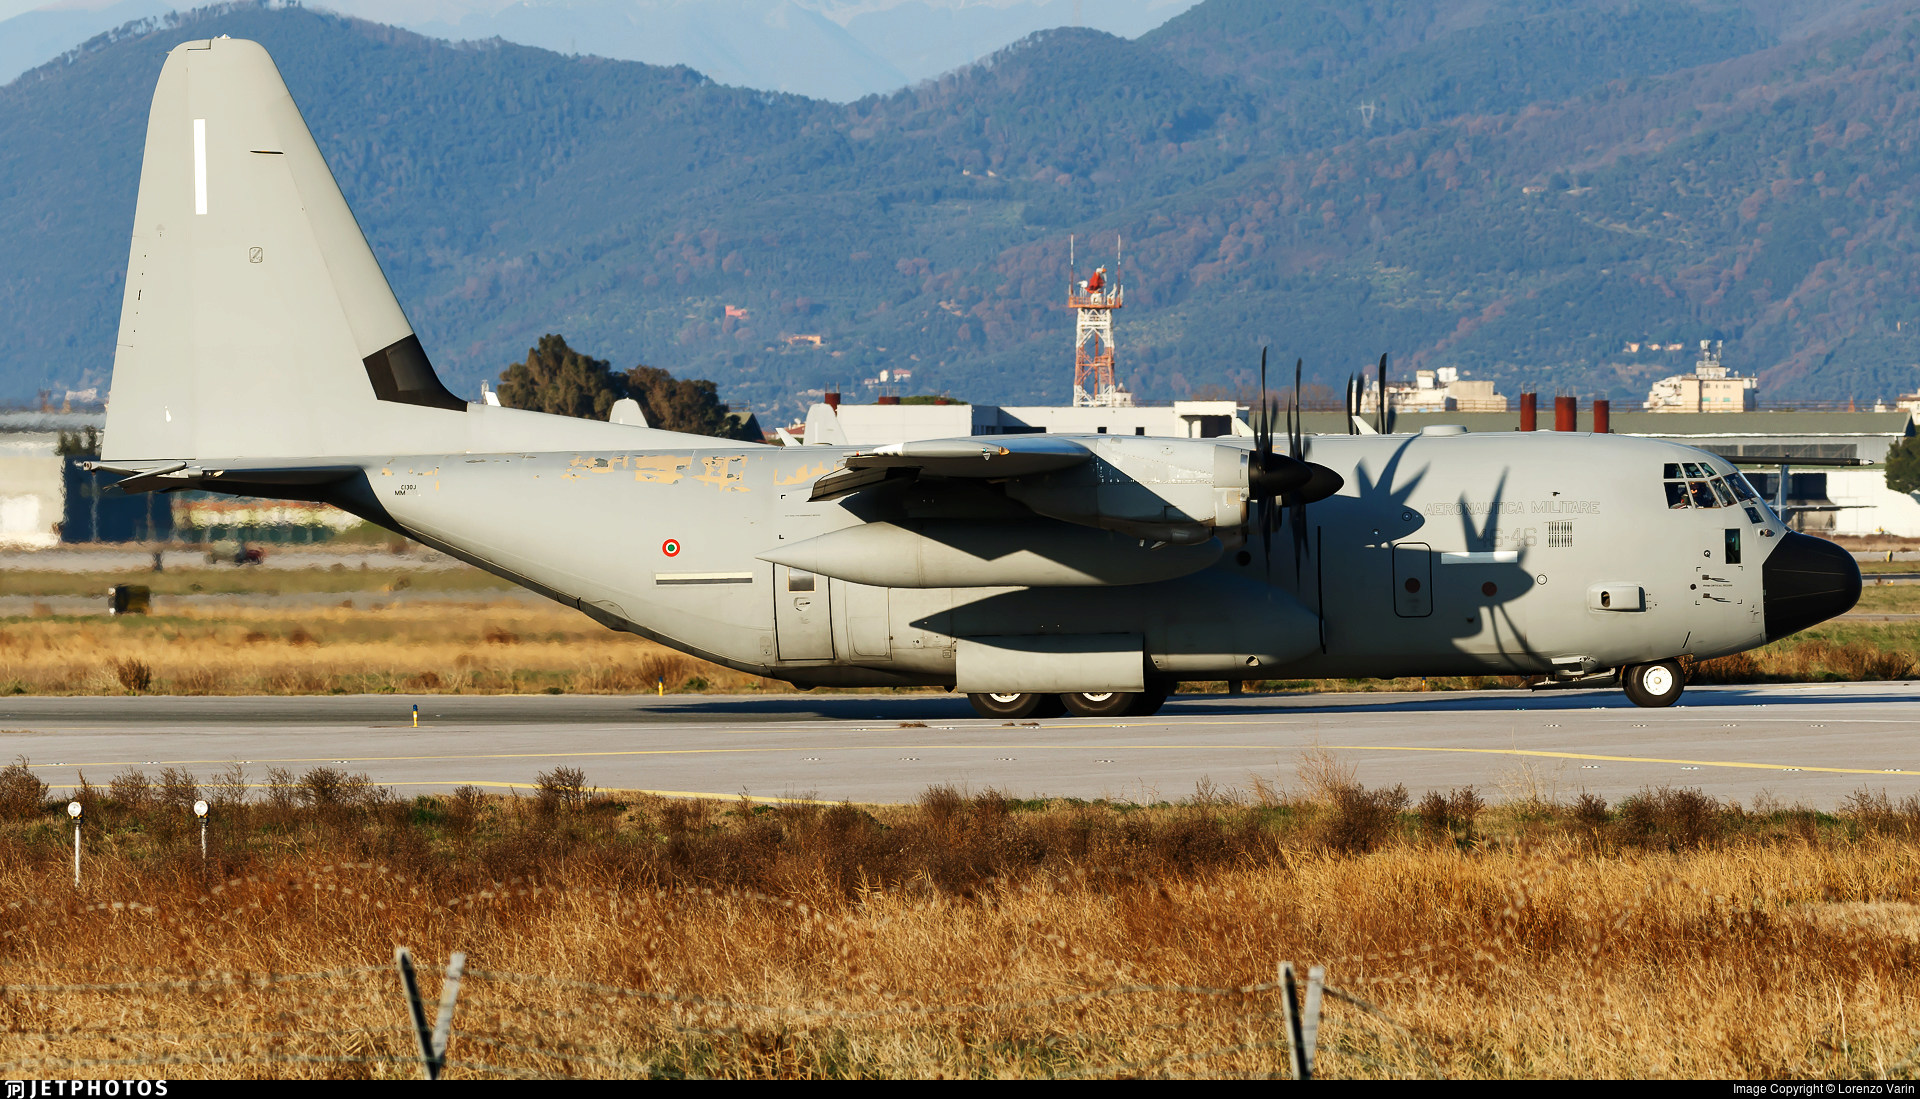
<point>1284,480</point>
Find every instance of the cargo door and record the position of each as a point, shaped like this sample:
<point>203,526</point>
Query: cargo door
<point>1412,580</point>
<point>802,615</point>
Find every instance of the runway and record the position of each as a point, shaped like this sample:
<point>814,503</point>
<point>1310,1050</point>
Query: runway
<point>1800,744</point>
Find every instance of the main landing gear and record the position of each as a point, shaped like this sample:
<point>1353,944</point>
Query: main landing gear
<point>1083,704</point>
<point>1656,684</point>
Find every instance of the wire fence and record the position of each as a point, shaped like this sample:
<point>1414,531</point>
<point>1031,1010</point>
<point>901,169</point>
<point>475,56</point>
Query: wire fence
<point>352,1022</point>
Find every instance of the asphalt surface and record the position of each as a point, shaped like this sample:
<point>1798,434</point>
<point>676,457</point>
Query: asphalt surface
<point>1798,744</point>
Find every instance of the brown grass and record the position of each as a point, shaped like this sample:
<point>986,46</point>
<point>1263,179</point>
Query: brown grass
<point>1672,935</point>
<point>481,647</point>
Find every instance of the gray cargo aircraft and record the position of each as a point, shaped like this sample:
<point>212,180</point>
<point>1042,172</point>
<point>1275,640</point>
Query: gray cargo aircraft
<point>262,353</point>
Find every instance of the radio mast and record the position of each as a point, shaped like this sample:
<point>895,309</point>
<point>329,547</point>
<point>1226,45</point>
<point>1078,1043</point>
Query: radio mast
<point>1093,301</point>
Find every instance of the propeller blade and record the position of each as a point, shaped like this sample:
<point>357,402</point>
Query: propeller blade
<point>1381,413</point>
<point>1295,444</point>
<point>1299,518</point>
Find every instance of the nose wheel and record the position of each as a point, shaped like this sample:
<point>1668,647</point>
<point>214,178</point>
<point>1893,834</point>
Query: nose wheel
<point>1657,684</point>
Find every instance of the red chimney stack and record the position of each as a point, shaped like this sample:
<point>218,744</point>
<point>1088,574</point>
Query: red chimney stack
<point>1529,414</point>
<point>1602,416</point>
<point>832,397</point>
<point>1566,413</point>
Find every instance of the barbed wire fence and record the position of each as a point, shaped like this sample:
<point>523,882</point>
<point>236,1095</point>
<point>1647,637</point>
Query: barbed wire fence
<point>487,1016</point>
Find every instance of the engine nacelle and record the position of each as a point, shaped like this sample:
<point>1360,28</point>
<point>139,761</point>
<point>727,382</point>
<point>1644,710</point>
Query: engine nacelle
<point>948,553</point>
<point>1162,490</point>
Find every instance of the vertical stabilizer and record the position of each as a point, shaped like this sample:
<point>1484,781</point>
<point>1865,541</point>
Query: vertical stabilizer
<point>256,323</point>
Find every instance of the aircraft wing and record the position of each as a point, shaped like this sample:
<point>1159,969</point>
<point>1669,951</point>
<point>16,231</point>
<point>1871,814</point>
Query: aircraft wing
<point>1017,456</point>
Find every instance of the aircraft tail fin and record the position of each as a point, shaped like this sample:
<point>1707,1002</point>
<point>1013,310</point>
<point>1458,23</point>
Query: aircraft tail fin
<point>256,321</point>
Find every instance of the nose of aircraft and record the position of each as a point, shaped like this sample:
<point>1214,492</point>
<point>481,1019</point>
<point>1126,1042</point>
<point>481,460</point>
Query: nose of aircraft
<point>1807,580</point>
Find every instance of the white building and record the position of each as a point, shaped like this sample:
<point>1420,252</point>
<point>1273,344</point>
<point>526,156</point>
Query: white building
<point>33,488</point>
<point>1710,388</point>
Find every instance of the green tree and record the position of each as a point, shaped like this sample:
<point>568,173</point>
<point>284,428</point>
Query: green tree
<point>1903,465</point>
<point>675,404</point>
<point>556,378</point>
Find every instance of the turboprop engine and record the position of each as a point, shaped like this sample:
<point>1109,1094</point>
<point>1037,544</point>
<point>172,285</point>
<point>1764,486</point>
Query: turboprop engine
<point>1130,510</point>
<point>1161,490</point>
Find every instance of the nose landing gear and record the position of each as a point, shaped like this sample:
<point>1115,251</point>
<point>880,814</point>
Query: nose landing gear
<point>1656,684</point>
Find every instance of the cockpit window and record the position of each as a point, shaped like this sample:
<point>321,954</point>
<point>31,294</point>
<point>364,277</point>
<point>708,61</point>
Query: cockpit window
<point>1702,495</point>
<point>1673,471</point>
<point>1676,494</point>
<point>1721,490</point>
<point>1741,489</point>
<point>1694,471</point>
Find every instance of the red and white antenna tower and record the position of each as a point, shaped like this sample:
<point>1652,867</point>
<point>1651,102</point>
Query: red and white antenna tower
<point>1093,301</point>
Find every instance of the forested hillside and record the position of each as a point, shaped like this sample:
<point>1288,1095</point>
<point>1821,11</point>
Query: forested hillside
<point>1536,185</point>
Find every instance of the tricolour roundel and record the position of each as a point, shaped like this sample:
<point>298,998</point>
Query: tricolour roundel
<point>671,547</point>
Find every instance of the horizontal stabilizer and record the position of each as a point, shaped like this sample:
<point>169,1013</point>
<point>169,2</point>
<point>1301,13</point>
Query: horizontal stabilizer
<point>236,480</point>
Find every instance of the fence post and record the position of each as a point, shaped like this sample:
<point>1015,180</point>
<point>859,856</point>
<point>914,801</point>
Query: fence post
<point>449,992</point>
<point>432,1043</point>
<point>1303,1027</point>
<point>1310,1025</point>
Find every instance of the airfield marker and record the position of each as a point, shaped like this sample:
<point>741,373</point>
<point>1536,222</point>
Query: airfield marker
<point>416,715</point>
<point>200,810</point>
<point>73,810</point>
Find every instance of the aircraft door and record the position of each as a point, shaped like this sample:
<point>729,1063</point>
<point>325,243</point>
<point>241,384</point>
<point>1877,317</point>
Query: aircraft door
<point>1412,580</point>
<point>802,614</point>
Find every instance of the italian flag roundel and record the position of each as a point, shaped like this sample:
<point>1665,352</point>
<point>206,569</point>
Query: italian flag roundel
<point>670,547</point>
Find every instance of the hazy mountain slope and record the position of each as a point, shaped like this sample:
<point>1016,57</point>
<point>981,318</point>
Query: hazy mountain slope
<point>1764,194</point>
<point>777,45</point>
<point>31,38</point>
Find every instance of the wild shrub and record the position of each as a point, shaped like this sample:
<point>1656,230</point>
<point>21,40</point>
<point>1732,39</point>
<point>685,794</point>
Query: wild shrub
<point>563,789</point>
<point>1449,816</point>
<point>131,791</point>
<point>22,793</point>
<point>1874,812</point>
<point>463,809</point>
<point>134,675</point>
<point>1676,819</point>
<point>1355,820</point>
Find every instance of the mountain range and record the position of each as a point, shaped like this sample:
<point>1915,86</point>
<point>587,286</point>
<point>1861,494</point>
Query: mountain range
<point>1521,189</point>
<point>828,49</point>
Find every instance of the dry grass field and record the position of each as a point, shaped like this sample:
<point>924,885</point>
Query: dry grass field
<point>614,936</point>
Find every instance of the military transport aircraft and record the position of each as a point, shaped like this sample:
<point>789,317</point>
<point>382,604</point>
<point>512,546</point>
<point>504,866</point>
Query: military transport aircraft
<point>262,353</point>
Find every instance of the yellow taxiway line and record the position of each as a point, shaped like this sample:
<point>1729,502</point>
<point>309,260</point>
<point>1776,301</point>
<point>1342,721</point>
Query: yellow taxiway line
<point>1184,748</point>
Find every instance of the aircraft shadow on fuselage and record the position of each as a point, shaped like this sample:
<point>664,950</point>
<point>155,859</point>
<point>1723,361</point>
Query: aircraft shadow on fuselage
<point>1463,600</point>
